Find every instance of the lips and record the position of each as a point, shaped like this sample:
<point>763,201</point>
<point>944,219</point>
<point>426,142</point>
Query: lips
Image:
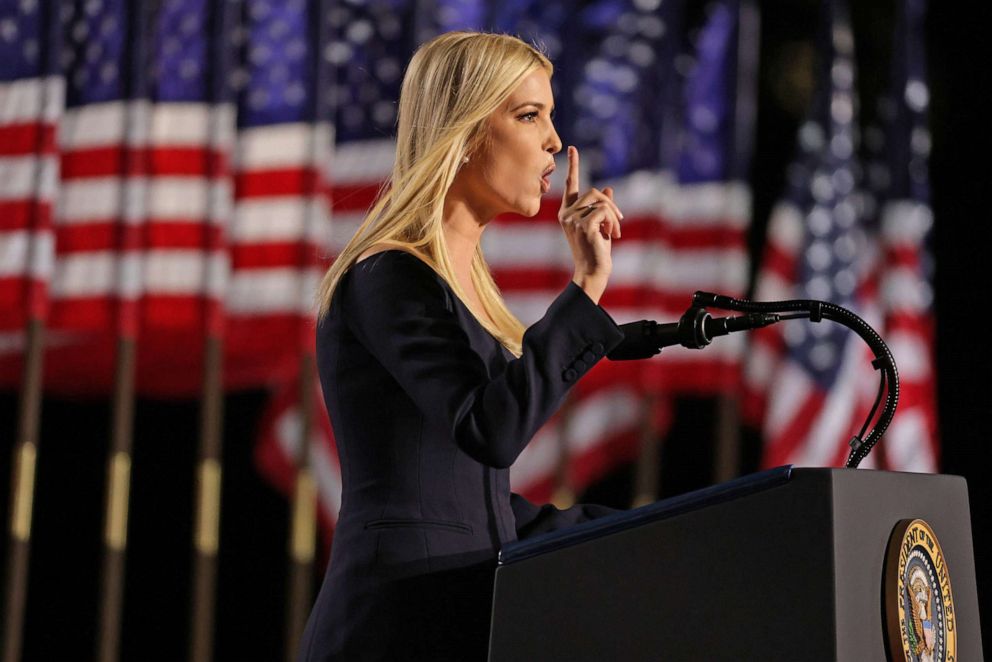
<point>546,178</point>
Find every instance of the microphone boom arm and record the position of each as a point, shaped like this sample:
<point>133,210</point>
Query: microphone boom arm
<point>819,310</point>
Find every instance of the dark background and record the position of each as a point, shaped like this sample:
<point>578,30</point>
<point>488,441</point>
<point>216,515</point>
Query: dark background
<point>65,562</point>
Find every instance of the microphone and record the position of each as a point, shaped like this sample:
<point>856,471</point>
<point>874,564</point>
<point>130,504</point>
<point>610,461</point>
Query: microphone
<point>695,330</point>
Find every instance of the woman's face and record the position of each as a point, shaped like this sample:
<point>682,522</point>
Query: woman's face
<point>507,175</point>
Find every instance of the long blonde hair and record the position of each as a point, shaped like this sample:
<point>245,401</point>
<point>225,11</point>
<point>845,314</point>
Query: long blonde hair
<point>452,85</point>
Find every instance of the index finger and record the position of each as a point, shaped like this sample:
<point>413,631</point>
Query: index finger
<point>572,179</point>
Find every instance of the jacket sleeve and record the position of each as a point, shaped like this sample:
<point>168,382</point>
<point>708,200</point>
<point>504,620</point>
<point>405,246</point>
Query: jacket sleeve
<point>396,306</point>
<point>533,519</point>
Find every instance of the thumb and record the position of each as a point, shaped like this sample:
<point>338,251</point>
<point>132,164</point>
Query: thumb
<point>609,192</point>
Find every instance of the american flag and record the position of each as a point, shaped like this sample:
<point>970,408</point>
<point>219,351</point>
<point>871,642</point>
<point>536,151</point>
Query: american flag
<point>31,104</point>
<point>899,178</point>
<point>809,386</point>
<point>163,177</point>
<point>665,124</point>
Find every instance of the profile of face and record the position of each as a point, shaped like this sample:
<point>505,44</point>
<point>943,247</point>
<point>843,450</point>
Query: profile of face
<point>510,172</point>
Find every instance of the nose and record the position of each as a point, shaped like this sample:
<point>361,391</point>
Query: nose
<point>552,142</point>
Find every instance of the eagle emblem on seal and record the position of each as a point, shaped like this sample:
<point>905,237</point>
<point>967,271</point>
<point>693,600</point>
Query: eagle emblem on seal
<point>921,598</point>
<point>919,604</point>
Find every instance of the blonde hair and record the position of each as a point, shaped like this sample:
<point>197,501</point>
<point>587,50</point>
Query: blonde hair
<point>452,85</point>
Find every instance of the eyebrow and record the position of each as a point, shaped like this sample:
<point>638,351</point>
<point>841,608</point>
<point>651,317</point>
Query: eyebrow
<point>531,103</point>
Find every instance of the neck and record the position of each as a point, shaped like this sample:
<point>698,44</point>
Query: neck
<point>463,228</point>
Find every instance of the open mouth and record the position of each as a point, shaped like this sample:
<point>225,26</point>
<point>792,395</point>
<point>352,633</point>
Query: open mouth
<point>546,179</point>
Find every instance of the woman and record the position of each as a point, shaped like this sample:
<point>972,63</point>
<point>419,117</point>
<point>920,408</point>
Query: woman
<point>432,385</point>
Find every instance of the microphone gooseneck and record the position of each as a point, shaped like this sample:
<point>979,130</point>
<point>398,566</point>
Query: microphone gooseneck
<point>697,329</point>
<point>884,362</point>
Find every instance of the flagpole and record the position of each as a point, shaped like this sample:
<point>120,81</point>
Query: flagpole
<point>221,145</point>
<point>727,458</point>
<point>206,532</point>
<point>302,541</point>
<point>563,495</point>
<point>647,480</point>
<point>207,504</point>
<point>727,455</point>
<point>118,479</point>
<point>25,451</point>
<point>22,491</point>
<point>116,505</point>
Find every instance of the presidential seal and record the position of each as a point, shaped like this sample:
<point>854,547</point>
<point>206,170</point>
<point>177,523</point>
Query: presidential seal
<point>919,605</point>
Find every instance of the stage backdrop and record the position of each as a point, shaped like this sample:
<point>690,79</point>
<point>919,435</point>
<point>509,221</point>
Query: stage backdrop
<point>174,171</point>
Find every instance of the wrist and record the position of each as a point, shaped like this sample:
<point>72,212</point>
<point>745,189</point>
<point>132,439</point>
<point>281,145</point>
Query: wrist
<point>591,285</point>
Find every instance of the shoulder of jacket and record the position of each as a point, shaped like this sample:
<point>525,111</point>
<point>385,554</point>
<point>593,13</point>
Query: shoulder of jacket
<point>395,268</point>
<point>389,255</point>
<point>391,263</point>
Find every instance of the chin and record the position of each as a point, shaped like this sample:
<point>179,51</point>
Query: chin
<point>532,209</point>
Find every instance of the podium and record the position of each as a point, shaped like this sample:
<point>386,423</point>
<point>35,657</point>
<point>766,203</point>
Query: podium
<point>787,564</point>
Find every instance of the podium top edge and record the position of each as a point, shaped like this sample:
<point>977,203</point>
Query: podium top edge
<point>652,512</point>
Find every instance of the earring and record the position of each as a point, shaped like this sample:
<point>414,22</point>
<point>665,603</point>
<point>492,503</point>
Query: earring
<point>465,160</point>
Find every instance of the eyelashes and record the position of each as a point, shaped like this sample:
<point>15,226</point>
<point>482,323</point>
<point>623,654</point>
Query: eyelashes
<point>529,117</point>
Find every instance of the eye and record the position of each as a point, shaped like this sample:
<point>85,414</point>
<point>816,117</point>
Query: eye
<point>528,117</point>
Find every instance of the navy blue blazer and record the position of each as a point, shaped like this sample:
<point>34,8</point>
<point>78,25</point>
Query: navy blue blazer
<point>429,411</point>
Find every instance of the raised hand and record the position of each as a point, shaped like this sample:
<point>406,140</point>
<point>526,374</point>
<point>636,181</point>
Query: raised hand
<point>590,222</point>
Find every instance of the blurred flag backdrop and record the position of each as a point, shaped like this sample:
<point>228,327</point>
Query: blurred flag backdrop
<point>173,169</point>
<point>857,241</point>
<point>163,170</point>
